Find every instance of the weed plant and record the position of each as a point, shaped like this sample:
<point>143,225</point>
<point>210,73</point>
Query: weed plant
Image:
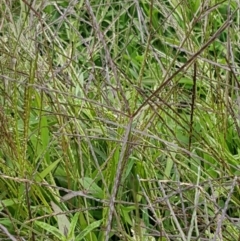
<point>119,120</point>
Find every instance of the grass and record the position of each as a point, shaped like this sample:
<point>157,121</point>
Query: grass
<point>119,120</point>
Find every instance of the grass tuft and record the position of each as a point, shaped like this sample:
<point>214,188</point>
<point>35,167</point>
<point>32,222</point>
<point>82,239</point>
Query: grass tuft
<point>119,120</point>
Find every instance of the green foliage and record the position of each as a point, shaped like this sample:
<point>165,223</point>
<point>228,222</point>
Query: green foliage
<point>119,120</point>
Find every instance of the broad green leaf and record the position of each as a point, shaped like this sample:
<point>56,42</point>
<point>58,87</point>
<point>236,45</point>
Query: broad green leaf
<point>45,136</point>
<point>128,168</point>
<point>186,81</point>
<point>89,185</point>
<point>73,226</point>
<point>125,214</point>
<point>46,171</point>
<point>168,167</point>
<point>51,229</point>
<point>88,229</point>
<point>8,202</point>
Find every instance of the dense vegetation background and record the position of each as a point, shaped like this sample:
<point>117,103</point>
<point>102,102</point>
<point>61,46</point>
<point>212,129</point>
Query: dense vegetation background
<point>119,120</point>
